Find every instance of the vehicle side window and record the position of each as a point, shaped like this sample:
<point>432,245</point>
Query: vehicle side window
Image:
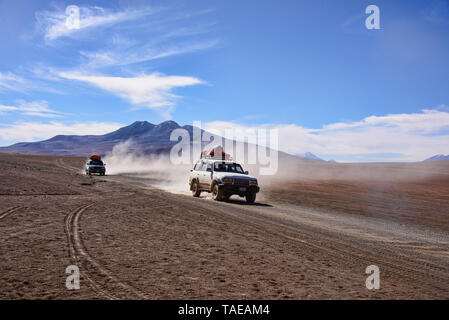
<point>198,166</point>
<point>203,168</point>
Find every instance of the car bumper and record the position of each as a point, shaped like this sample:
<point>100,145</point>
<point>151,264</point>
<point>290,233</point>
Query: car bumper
<point>233,189</point>
<point>96,170</point>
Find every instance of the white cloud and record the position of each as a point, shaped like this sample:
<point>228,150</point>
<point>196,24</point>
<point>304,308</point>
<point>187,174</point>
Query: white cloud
<point>153,91</point>
<point>425,122</point>
<point>404,137</point>
<point>121,56</point>
<point>10,81</point>
<point>35,131</point>
<point>27,81</point>
<point>33,108</point>
<point>55,24</point>
<point>162,36</point>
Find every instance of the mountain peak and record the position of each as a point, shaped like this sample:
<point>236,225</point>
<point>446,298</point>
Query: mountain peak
<point>140,124</point>
<point>311,156</point>
<point>168,124</point>
<point>438,157</point>
<point>137,124</point>
<point>136,128</point>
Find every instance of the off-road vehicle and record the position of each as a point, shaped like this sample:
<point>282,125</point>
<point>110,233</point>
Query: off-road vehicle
<point>95,165</point>
<point>222,177</point>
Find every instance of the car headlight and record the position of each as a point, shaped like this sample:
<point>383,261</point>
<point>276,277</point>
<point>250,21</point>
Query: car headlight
<point>253,182</point>
<point>227,180</point>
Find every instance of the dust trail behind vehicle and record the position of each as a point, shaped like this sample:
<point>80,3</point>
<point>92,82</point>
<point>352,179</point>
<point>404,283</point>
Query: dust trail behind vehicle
<point>157,171</point>
<point>296,178</point>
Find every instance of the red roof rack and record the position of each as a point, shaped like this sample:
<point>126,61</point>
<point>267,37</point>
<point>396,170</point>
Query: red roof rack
<point>216,153</point>
<point>95,156</point>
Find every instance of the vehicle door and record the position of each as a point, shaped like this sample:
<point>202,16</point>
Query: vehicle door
<point>208,175</point>
<point>196,171</point>
<point>204,176</point>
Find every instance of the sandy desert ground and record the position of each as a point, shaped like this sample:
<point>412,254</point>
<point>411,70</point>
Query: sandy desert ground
<point>309,236</point>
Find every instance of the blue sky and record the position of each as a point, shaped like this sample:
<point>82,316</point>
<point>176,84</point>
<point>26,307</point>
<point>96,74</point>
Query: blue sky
<point>310,69</point>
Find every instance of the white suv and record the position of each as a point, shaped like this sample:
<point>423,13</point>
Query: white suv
<point>222,178</point>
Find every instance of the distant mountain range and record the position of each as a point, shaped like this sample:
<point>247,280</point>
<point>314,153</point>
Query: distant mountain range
<point>438,157</point>
<point>147,138</point>
<point>311,156</point>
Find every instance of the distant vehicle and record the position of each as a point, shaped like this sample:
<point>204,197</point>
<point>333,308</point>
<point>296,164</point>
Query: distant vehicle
<point>222,177</point>
<point>95,165</point>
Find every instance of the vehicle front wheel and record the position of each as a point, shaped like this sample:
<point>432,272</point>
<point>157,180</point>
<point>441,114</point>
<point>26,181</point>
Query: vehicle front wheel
<point>250,197</point>
<point>195,189</point>
<point>217,194</point>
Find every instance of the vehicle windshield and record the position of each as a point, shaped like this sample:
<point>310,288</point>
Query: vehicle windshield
<point>95,162</point>
<point>228,167</point>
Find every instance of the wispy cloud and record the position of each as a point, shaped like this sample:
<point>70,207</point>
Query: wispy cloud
<point>10,81</point>
<point>33,108</point>
<point>168,33</point>
<point>130,55</point>
<point>428,121</point>
<point>29,80</point>
<point>35,131</point>
<point>153,91</point>
<point>397,137</point>
<point>189,31</point>
<point>355,24</point>
<point>55,24</point>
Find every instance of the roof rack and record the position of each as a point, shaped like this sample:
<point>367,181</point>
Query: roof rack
<point>215,154</point>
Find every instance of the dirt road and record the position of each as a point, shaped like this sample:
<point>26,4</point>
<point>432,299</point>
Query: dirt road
<point>131,240</point>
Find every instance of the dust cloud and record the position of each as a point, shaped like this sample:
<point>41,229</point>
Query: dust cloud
<point>156,171</point>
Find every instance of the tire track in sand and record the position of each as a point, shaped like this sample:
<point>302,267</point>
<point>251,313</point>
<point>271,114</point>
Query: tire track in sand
<point>60,163</point>
<point>397,263</point>
<point>81,257</point>
<point>6,213</point>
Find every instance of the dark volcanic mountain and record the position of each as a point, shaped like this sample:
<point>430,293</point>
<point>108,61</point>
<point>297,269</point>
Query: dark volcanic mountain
<point>147,137</point>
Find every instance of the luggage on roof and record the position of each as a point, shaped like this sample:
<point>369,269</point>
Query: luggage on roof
<point>215,153</point>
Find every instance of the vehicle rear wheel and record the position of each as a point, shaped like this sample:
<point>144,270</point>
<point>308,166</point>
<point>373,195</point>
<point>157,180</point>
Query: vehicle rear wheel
<point>217,194</point>
<point>250,197</point>
<point>195,189</point>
